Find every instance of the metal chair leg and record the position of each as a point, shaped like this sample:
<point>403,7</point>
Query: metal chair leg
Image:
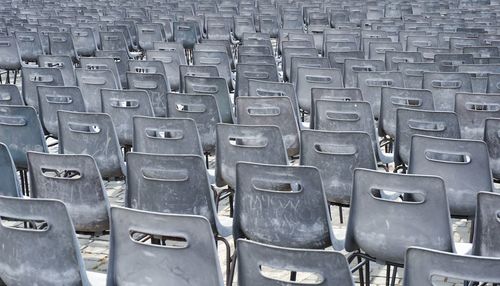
<point>228,256</point>
<point>233,268</point>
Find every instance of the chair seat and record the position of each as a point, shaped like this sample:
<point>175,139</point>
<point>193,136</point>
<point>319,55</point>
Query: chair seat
<point>96,279</point>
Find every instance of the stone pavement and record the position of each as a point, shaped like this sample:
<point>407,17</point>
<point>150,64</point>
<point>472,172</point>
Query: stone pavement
<point>95,250</point>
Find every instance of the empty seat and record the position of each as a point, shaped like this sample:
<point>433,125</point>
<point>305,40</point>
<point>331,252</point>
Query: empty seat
<point>343,94</point>
<point>33,77</point>
<point>91,82</point>
<point>196,71</point>
<point>157,87</point>
<point>147,33</point>
<point>61,44</point>
<point>96,63</point>
<point>62,63</point>
<point>353,66</point>
<point>309,77</point>
<point>472,110</point>
<point>10,95</point>
<point>216,87</point>
<point>30,46</point>
<point>413,73</point>
<point>245,72</point>
<point>444,86</point>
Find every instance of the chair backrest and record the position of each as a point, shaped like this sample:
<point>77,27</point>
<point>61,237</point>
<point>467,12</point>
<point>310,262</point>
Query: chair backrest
<point>91,82</point>
<point>479,73</point>
<point>10,95</point>
<point>33,77</point>
<point>61,44</point>
<point>92,134</point>
<point>337,58</point>
<point>486,226</point>
<point>271,88</point>
<point>492,139</point>
<point>55,238</point>
<point>74,180</point>
<point>171,61</point>
<point>374,214</point>
<point>394,98</point>
<point>451,62</point>
<point>63,63</point>
<point>102,63</point>
<point>121,59</point>
<point>394,58</point>
<point>329,266</point>
<point>424,122</point>
<point>353,66</point>
<point>122,106</point>
<point>263,190</point>
<point>202,109</point>
<point>84,41</point>
<point>137,66</point>
<point>166,136</point>
<point>290,52</point>
<point>344,94</point>
<point>156,84</point>
<point>309,62</point>
<point>272,110</point>
<point>10,183</point>
<point>371,84</point>
<point>245,72</point>
<point>309,78</point>
<point>176,184</point>
<point>423,265</point>
<point>191,247</point>
<point>10,57</point>
<point>54,98</point>
<point>113,41</point>
<point>336,155</point>
<point>196,71</point>
<point>235,143</point>
<point>147,33</point>
<point>214,58</point>
<point>216,87</point>
<point>413,73</point>
<point>444,86</point>
<point>463,165</point>
<point>472,110</point>
<point>185,33</point>
<point>30,46</point>
<point>21,131</point>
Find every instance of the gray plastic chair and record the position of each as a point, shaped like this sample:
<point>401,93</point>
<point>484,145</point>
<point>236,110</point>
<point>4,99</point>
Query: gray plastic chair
<point>336,155</point>
<point>451,62</point>
<point>113,41</point>
<point>373,215</point>
<point>394,58</point>
<point>104,63</point>
<point>444,86</point>
<point>54,98</point>
<point>216,87</point>
<point>309,78</point>
<point>271,88</point>
<point>337,58</point>
<point>191,247</point>
<point>54,253</point>
<point>486,228</point>
<point>10,183</point>
<point>63,63</point>
<point>91,82</point>
<point>289,53</point>
<point>472,110</point>
<point>147,33</point>
<point>261,192</point>
<point>492,139</point>
<point>30,46</point>
<point>202,109</point>
<point>21,131</point>
<point>307,62</point>
<point>424,122</point>
<point>214,58</point>
<point>33,77</point>
<point>122,106</point>
<point>334,115</point>
<point>235,143</point>
<point>196,71</point>
<point>245,72</point>
<point>275,110</point>
<point>10,95</point>
<point>185,33</point>
<point>84,41</point>
<point>394,98</point>
<point>92,134</point>
<point>353,66</point>
<point>422,265</point>
<point>329,266</point>
<point>463,165</point>
<point>344,94</point>
<point>10,57</point>
<point>171,61</point>
<point>76,181</point>
<point>413,73</point>
<point>372,83</point>
<point>121,59</point>
<point>157,87</point>
<point>137,66</point>
<point>61,44</point>
<point>479,75</point>
<point>166,136</point>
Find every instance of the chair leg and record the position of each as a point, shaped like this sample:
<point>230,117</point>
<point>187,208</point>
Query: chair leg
<point>228,256</point>
<point>394,275</point>
<point>361,275</point>
<point>387,274</point>
<point>233,268</point>
<point>293,276</point>
<point>231,208</point>
<point>367,273</point>
<point>15,76</point>
<point>341,215</point>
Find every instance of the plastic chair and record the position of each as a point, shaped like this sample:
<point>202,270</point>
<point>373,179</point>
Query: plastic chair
<point>218,59</point>
<point>157,87</point>
<point>196,71</point>
<point>337,58</point>
<point>424,122</point>
<point>21,131</point>
<point>137,66</point>
<point>372,83</point>
<point>96,63</point>
<point>10,95</point>
<point>171,61</point>
<point>479,75</point>
<point>11,187</point>
<point>486,225</point>
<point>423,264</point>
<point>54,98</point>
<point>185,33</point>
<point>113,41</point>
<point>122,106</point>
<point>276,110</point>
<point>270,88</point>
<point>444,86</point>
<point>91,82</point>
<point>92,134</point>
<point>186,243</point>
<point>344,94</point>
<point>33,77</point>
<point>329,266</point>
<point>463,165</point>
<point>10,58</point>
<point>30,46</point>
<point>76,181</point>
<point>61,44</point>
<point>451,62</point>
<point>245,72</point>
<point>308,78</point>
<point>413,73</point>
<point>121,59</point>
<point>84,41</point>
<point>353,66</point>
<point>288,53</point>
<point>373,214</point>
<point>216,87</point>
<point>394,98</point>
<point>50,234</point>
<point>147,33</point>
<point>63,63</point>
<point>491,128</point>
<point>472,110</point>
<point>394,58</point>
<point>235,143</point>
